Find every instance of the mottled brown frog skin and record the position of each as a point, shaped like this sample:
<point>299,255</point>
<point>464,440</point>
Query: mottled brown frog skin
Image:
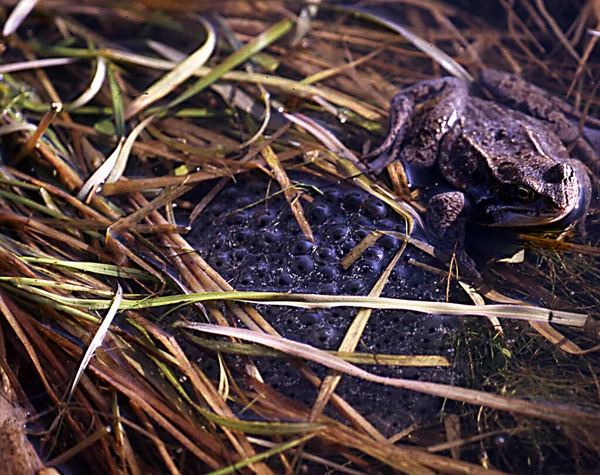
<point>507,167</point>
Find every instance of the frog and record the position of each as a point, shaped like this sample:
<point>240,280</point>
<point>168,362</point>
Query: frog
<point>504,159</point>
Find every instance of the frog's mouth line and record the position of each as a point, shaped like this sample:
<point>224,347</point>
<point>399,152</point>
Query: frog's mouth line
<point>515,216</point>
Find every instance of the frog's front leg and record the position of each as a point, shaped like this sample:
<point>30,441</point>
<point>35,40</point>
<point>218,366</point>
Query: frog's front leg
<point>559,115</point>
<point>421,148</point>
<point>447,214</point>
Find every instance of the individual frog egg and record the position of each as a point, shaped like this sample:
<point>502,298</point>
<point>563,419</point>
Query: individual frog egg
<point>300,246</point>
<point>354,286</point>
<point>262,269</point>
<point>330,288</point>
<point>347,246</point>
<point>318,213</point>
<point>326,273</point>
<point>325,254</point>
<point>284,279</point>
<point>269,238</point>
<point>220,260</point>
<point>360,233</point>
<point>325,336</point>
<point>302,265</point>
<point>246,280</point>
<point>219,240</point>
<point>240,255</point>
<point>264,218</point>
<point>362,221</point>
<point>368,267</point>
<point>373,253</point>
<point>337,232</point>
<point>353,201</point>
<point>311,317</point>
<point>241,236</point>
<point>231,195</point>
<point>332,196</point>
<point>258,189</point>
<point>237,218</point>
<point>374,208</point>
<point>388,242</point>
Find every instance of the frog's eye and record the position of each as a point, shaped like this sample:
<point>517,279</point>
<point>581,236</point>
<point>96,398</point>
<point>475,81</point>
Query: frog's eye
<point>525,194</point>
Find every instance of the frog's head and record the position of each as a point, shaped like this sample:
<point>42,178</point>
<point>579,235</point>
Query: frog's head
<point>541,192</point>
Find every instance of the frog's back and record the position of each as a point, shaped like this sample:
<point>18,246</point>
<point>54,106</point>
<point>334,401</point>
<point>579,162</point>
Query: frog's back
<point>503,132</point>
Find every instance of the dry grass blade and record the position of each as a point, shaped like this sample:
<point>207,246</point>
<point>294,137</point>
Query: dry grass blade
<point>288,85</point>
<point>517,312</point>
<point>561,245</point>
<point>251,48</point>
<point>353,357</point>
<point>93,89</point>
<point>12,128</point>
<point>36,64</point>
<point>97,340</point>
<point>291,194</point>
<point>263,456</point>
<point>470,396</point>
<point>113,167</point>
<point>17,16</point>
<point>246,106</point>
<point>265,123</point>
<point>180,73</point>
<point>557,338</point>
<point>94,267</point>
<point>444,60</point>
<point>520,312</point>
<point>121,162</point>
<point>85,444</point>
<point>117,100</point>
<point>560,35</point>
<point>101,174</point>
<point>33,140</point>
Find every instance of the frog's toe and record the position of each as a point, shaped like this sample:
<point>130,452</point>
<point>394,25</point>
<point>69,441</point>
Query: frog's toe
<point>383,158</point>
<point>420,155</point>
<point>466,267</point>
<point>460,264</point>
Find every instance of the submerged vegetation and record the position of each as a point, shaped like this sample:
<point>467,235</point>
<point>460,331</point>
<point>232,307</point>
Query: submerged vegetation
<point>113,113</point>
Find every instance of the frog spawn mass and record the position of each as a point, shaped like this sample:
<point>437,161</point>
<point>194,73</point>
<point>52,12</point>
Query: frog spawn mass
<point>256,244</point>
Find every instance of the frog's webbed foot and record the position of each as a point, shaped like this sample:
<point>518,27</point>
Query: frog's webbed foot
<point>423,146</point>
<point>447,214</point>
<point>534,101</point>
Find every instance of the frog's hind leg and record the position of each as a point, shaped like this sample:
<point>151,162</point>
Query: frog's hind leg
<point>449,107</point>
<point>586,149</point>
<point>534,101</point>
<point>556,113</point>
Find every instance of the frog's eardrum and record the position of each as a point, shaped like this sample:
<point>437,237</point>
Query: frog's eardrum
<point>249,235</point>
